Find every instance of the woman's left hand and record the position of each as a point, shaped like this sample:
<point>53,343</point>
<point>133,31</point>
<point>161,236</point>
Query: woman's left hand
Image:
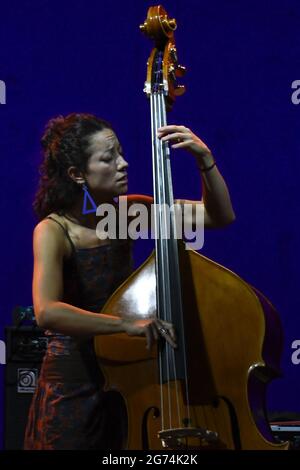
<point>181,137</point>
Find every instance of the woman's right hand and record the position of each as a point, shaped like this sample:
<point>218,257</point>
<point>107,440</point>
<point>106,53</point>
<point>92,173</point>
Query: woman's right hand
<point>152,329</point>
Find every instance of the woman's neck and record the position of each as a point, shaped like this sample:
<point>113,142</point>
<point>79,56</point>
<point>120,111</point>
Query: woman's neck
<point>87,220</point>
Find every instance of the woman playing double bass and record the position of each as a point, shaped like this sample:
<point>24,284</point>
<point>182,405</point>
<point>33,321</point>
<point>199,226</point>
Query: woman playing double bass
<point>75,273</point>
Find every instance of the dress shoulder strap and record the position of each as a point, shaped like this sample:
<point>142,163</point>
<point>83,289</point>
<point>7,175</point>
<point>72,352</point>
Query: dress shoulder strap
<point>65,231</point>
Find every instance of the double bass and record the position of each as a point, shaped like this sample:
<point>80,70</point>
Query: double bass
<point>209,392</point>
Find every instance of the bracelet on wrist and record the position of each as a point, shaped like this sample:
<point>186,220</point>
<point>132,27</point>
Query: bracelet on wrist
<point>204,170</point>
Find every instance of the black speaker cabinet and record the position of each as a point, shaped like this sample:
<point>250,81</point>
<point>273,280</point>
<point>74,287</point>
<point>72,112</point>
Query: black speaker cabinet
<point>25,348</point>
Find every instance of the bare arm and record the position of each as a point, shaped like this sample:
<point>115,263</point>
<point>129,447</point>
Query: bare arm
<point>216,202</point>
<point>49,246</point>
<point>50,311</point>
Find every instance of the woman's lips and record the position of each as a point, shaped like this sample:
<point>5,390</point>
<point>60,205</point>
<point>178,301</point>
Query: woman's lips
<point>124,179</point>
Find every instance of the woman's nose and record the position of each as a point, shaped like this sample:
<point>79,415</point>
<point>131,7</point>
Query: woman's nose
<point>122,163</point>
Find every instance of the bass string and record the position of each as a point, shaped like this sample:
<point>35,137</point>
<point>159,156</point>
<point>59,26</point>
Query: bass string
<point>166,198</point>
<point>161,257</point>
<point>163,194</point>
<point>173,247</point>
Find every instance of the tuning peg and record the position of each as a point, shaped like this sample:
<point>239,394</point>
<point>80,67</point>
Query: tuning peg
<point>143,27</point>
<point>173,54</point>
<point>180,71</point>
<point>173,24</point>
<point>179,90</point>
<point>172,73</point>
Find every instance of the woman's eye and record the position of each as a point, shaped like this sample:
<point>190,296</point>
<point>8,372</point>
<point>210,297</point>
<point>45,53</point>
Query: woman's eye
<point>106,158</point>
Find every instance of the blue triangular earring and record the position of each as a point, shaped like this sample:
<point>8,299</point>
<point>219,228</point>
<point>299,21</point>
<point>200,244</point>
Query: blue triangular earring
<point>87,199</point>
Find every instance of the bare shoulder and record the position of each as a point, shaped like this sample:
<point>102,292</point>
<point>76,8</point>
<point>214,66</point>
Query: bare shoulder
<point>49,235</point>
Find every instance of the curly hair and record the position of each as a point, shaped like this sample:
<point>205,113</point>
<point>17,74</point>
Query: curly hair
<point>65,143</point>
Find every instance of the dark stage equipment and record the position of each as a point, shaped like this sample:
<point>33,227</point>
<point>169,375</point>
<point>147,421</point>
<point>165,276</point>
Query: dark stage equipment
<point>25,347</point>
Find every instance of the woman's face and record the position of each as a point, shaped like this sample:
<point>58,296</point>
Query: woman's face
<point>106,173</point>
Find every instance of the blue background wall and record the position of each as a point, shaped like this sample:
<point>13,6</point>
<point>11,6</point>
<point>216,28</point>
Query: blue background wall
<point>89,56</point>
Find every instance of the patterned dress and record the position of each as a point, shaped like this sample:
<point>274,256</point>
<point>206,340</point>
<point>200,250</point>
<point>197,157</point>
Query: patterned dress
<point>69,409</point>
